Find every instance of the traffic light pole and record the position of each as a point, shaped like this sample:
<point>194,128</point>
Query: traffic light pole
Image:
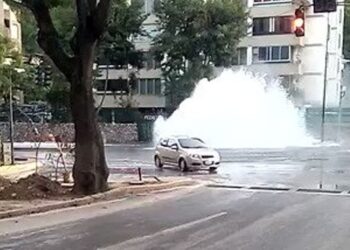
<point>11,123</point>
<point>325,83</point>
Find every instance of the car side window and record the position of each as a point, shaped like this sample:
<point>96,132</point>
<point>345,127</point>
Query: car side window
<point>164,143</point>
<point>171,142</point>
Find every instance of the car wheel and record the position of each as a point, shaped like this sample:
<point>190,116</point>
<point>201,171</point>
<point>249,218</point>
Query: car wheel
<point>158,162</point>
<point>183,165</point>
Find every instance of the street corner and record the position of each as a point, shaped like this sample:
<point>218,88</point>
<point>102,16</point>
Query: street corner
<point>121,189</point>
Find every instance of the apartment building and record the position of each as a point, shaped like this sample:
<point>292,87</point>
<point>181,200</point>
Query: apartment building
<point>9,25</point>
<point>147,97</point>
<point>272,48</point>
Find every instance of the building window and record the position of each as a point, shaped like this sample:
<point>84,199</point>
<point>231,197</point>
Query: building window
<point>272,54</point>
<point>261,26</point>
<point>114,85</point>
<point>150,86</point>
<point>7,23</point>
<point>283,25</point>
<point>143,86</point>
<point>157,87</point>
<point>272,25</point>
<point>240,57</point>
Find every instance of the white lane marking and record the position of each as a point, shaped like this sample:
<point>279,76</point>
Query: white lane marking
<point>174,229</point>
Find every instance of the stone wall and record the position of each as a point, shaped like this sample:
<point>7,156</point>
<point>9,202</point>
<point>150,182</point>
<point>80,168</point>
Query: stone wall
<point>113,133</point>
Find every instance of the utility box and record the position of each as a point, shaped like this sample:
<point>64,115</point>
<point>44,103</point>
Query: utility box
<point>6,153</point>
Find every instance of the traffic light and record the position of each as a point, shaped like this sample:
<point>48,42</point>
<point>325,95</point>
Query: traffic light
<point>43,75</point>
<point>47,75</point>
<point>39,75</point>
<point>321,6</point>
<point>299,22</point>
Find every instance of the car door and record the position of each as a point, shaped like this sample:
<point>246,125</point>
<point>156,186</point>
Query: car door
<point>172,153</point>
<point>162,149</point>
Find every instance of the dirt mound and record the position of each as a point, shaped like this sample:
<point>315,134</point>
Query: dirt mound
<point>32,187</point>
<point>4,183</point>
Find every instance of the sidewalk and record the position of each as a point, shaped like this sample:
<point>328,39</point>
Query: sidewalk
<point>12,208</point>
<point>19,170</point>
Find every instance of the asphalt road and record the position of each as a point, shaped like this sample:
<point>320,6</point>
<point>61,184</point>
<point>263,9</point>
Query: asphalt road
<point>326,166</point>
<point>202,218</point>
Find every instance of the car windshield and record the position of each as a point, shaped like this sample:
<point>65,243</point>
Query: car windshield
<point>191,143</point>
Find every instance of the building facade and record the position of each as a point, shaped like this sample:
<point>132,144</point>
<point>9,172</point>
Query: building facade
<point>148,96</point>
<point>272,48</point>
<point>9,25</point>
<point>11,28</point>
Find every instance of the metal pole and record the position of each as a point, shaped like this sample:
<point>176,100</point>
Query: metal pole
<point>11,124</point>
<point>325,82</point>
<point>339,115</point>
<point>340,110</point>
<point>140,174</point>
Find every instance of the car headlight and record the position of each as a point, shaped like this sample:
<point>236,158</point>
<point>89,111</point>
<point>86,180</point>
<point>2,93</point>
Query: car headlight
<point>195,156</point>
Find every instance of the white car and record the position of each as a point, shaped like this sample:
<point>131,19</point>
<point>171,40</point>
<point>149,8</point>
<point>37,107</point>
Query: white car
<point>187,153</point>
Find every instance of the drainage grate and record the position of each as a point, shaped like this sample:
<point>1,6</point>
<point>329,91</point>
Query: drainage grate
<point>267,188</point>
<point>319,191</point>
<point>225,186</point>
<point>270,188</point>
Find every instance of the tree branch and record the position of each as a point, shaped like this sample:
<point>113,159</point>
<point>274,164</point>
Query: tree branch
<point>100,17</point>
<point>93,16</point>
<point>104,91</point>
<point>48,38</point>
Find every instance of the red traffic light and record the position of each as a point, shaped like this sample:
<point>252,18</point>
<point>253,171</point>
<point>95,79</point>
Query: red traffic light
<point>299,22</point>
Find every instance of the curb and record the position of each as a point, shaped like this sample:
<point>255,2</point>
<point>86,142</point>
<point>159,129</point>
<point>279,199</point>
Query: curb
<point>281,189</point>
<point>109,195</point>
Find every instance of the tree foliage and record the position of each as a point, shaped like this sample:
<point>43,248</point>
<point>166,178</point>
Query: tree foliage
<point>10,62</point>
<point>58,98</point>
<point>195,36</point>
<point>57,95</point>
<point>118,50</point>
<point>116,47</point>
<point>125,23</point>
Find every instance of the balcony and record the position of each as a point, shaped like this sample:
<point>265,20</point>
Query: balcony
<point>276,69</point>
<point>272,69</point>
<point>271,40</point>
<point>142,73</point>
<point>138,101</point>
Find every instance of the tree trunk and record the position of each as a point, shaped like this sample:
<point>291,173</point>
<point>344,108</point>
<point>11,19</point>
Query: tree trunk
<point>90,171</point>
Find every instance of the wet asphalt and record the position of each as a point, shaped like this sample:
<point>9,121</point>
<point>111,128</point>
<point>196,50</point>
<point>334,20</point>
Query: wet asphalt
<point>312,167</point>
